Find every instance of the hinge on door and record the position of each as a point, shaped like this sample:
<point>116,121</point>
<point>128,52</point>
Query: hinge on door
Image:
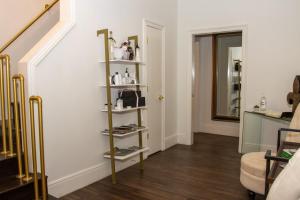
<point>147,136</point>
<point>147,40</point>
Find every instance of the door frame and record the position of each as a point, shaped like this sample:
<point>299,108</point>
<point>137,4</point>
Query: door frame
<point>208,31</point>
<point>148,23</point>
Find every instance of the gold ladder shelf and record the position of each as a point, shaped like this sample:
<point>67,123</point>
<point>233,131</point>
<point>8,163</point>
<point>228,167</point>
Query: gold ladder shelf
<point>110,110</point>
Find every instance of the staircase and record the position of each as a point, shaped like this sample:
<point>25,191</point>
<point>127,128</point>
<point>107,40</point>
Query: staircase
<point>16,180</point>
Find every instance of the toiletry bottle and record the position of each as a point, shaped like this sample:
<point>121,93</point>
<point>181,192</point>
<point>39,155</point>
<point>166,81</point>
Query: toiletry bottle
<point>137,53</point>
<point>111,45</point>
<point>126,73</point>
<point>119,104</point>
<point>127,76</point>
<point>263,104</point>
<point>117,79</point>
<point>120,79</point>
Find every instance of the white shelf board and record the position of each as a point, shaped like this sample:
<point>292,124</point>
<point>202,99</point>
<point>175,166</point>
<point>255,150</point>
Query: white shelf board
<point>126,134</point>
<point>125,110</point>
<point>124,85</point>
<point>124,62</point>
<point>129,155</point>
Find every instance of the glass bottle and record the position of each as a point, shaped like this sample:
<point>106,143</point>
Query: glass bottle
<point>263,104</point>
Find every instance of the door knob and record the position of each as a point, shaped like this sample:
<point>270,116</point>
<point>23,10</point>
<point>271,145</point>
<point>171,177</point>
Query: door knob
<point>161,97</point>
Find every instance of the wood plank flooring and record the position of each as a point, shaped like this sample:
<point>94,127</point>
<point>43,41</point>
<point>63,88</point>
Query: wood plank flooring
<point>208,170</point>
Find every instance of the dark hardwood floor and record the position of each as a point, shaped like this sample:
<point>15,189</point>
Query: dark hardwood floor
<point>208,170</point>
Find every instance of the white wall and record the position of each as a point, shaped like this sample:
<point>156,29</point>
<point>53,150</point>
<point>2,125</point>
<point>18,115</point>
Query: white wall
<point>202,98</point>
<point>14,16</point>
<point>271,61</point>
<point>67,79</point>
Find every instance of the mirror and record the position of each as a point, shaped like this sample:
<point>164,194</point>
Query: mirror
<point>227,61</point>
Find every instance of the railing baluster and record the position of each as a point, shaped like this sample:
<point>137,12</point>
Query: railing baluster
<point>19,152</point>
<point>38,100</point>
<point>20,78</point>
<point>3,114</point>
<point>5,61</point>
<point>8,105</point>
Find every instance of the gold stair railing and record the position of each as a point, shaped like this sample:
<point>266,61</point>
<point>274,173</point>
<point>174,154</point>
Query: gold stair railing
<point>5,67</point>
<point>20,119</point>
<point>47,8</point>
<point>32,101</point>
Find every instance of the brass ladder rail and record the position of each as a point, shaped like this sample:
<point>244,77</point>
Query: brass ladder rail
<point>139,112</point>
<point>47,8</point>
<point>109,105</point>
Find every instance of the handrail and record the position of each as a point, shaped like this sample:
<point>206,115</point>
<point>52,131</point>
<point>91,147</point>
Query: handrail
<point>47,8</point>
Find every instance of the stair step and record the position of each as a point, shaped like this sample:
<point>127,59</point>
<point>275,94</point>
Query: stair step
<point>14,188</point>
<point>8,167</point>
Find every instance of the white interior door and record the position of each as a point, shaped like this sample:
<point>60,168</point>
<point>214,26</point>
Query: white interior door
<point>155,91</point>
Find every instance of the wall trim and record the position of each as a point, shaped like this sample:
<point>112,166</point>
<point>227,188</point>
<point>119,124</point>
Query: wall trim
<point>171,141</point>
<point>31,60</point>
<point>217,130</point>
<point>181,138</point>
<point>77,180</point>
<point>72,182</point>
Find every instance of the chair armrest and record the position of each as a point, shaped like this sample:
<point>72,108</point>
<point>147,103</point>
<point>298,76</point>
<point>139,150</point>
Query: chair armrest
<point>289,129</point>
<point>284,130</point>
<point>268,156</point>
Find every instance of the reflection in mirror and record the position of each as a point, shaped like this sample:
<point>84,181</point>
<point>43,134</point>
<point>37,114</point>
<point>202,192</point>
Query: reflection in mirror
<point>227,59</point>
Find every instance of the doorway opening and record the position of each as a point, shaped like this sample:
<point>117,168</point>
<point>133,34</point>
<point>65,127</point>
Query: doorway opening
<point>217,83</point>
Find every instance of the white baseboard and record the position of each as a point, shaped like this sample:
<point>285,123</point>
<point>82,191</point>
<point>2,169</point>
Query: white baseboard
<point>219,130</point>
<point>181,138</point>
<point>170,141</point>
<point>77,180</point>
<point>65,185</point>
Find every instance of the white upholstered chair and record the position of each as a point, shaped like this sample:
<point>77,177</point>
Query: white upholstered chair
<point>253,165</point>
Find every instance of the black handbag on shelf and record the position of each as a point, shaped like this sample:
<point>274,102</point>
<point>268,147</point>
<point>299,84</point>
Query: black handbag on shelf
<point>132,98</point>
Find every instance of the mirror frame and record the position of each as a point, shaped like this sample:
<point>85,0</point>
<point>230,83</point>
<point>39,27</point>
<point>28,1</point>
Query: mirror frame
<point>214,115</point>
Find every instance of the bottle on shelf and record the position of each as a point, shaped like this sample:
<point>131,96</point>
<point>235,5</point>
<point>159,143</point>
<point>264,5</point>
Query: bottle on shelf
<point>112,45</point>
<point>119,104</point>
<point>137,53</point>
<point>127,81</point>
<point>263,104</point>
